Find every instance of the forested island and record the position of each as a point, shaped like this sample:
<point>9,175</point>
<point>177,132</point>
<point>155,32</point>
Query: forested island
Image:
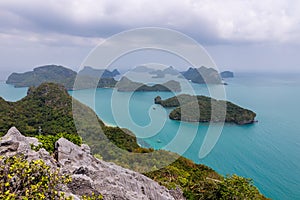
<point>86,78</point>
<point>89,77</point>
<point>126,85</point>
<point>199,109</point>
<point>46,113</point>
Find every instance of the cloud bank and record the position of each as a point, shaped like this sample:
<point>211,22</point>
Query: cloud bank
<point>37,32</point>
<point>212,21</point>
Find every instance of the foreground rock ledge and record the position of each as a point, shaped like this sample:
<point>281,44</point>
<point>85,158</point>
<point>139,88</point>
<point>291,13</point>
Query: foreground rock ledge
<point>89,174</point>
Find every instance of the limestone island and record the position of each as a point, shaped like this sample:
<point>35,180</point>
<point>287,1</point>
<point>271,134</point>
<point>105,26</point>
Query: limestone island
<point>86,78</point>
<point>199,109</point>
<point>202,75</point>
<point>127,85</point>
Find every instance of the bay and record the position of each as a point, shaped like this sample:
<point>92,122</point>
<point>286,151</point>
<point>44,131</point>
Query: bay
<point>267,151</point>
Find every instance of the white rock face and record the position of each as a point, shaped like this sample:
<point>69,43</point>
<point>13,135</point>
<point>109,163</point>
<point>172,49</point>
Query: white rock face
<point>89,174</point>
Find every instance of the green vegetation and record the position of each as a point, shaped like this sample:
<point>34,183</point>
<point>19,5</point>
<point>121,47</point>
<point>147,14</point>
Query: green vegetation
<point>126,85</point>
<point>48,73</point>
<point>22,179</point>
<point>46,110</point>
<point>48,141</point>
<point>46,113</point>
<point>201,182</point>
<point>205,109</point>
<point>236,187</point>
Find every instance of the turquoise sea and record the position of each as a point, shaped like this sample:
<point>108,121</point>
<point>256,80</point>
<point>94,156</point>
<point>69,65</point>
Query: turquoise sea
<point>267,151</point>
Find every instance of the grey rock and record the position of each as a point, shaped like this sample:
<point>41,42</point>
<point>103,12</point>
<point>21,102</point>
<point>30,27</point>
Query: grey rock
<point>15,141</point>
<point>86,148</point>
<point>89,174</point>
<point>112,181</point>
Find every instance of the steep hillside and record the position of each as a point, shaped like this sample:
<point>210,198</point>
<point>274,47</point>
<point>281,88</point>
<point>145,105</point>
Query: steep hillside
<point>46,113</point>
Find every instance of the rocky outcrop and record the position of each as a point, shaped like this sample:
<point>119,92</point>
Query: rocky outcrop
<point>89,174</point>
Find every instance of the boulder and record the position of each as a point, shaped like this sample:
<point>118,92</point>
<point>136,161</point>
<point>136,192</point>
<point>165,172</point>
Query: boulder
<point>112,181</point>
<point>89,174</point>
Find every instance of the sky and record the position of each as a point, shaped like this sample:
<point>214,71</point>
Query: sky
<point>239,35</point>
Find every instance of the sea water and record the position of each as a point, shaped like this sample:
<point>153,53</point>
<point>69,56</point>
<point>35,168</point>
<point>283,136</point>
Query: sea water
<point>267,151</point>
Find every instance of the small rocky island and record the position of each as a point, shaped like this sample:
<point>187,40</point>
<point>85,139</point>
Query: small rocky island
<point>227,74</point>
<point>199,109</point>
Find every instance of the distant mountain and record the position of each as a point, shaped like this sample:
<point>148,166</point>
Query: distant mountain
<point>115,72</point>
<point>48,73</point>
<point>87,78</point>
<point>97,73</point>
<point>227,74</point>
<point>127,85</point>
<point>141,69</point>
<point>203,75</point>
<point>162,73</point>
<point>186,107</point>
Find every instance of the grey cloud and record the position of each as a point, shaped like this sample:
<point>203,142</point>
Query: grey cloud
<point>234,25</point>
<point>207,21</point>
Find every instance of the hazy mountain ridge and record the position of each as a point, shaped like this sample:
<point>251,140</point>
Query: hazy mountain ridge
<point>89,77</point>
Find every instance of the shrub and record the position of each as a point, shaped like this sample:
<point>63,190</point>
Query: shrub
<point>21,179</point>
<point>236,187</point>
<point>48,141</point>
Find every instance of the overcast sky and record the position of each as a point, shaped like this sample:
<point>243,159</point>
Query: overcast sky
<point>240,35</point>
